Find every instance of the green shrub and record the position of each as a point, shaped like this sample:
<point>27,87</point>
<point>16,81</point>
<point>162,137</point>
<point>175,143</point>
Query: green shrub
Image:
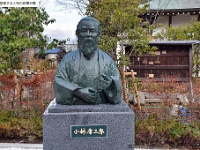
<point>15,125</point>
<point>155,132</point>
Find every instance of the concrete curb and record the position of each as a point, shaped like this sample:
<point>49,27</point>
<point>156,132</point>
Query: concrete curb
<point>17,145</point>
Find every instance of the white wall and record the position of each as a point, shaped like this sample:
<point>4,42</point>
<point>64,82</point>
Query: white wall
<point>176,21</point>
<point>181,19</point>
<point>162,20</point>
<point>52,56</point>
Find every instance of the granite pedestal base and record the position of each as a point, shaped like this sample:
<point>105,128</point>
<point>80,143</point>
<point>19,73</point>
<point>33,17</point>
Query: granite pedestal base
<point>58,120</point>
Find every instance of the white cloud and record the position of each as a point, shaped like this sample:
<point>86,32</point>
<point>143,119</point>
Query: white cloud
<point>61,31</point>
<point>58,34</point>
<point>65,24</point>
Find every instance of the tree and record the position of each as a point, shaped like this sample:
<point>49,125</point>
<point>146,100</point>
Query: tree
<point>20,31</point>
<point>182,32</point>
<point>120,23</point>
<point>79,5</point>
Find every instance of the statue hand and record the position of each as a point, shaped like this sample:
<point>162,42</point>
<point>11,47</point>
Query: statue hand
<point>87,94</point>
<point>105,82</point>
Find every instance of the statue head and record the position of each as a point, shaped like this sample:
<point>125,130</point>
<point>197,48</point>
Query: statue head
<point>88,32</point>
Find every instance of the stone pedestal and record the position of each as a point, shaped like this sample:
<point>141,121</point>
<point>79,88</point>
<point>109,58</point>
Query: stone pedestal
<point>88,127</point>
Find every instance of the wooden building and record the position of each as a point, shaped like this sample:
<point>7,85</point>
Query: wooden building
<point>172,58</point>
<point>172,12</point>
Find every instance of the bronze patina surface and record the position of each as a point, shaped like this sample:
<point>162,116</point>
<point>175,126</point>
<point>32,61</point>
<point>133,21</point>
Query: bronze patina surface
<point>87,75</point>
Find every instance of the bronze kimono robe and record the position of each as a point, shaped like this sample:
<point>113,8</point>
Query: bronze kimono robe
<point>72,74</point>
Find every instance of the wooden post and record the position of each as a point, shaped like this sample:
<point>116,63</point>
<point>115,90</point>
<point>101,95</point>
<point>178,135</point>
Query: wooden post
<point>132,74</point>
<point>17,87</point>
<point>124,86</point>
<point>136,91</point>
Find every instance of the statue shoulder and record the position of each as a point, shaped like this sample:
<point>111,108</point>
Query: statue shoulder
<point>71,55</point>
<point>105,55</point>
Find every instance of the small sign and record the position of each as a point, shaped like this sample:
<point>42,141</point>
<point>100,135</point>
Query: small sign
<point>157,52</point>
<point>157,62</point>
<point>164,52</point>
<point>145,62</point>
<point>151,63</point>
<point>91,131</point>
<point>19,3</point>
<point>151,75</point>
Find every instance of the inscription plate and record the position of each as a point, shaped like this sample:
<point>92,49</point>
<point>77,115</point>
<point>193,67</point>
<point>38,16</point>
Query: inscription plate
<point>80,131</point>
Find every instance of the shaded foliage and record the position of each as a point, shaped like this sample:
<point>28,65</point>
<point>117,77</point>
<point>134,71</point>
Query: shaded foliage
<point>20,124</point>
<point>166,132</point>
<point>154,127</point>
<point>182,32</point>
<point>20,30</point>
<point>21,118</point>
<point>120,23</point>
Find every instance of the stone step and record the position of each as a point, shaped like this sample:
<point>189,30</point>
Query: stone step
<point>154,100</point>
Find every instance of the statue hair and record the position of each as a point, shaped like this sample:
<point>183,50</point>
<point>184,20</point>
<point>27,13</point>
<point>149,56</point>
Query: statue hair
<point>89,19</point>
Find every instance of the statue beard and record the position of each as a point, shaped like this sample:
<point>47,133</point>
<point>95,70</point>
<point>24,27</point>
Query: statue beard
<point>88,46</point>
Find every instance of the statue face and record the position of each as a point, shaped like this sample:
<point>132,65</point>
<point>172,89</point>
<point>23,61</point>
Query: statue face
<point>88,37</point>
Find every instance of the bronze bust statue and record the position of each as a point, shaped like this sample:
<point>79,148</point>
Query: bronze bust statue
<point>87,75</point>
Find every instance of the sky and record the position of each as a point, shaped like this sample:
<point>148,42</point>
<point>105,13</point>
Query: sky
<point>66,21</point>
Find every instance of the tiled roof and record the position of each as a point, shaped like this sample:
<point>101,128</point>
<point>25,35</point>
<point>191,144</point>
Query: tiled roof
<point>53,51</point>
<point>173,4</point>
<point>184,42</point>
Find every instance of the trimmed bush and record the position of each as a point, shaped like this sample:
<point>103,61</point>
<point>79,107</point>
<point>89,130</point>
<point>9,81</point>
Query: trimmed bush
<point>166,132</point>
<point>21,124</point>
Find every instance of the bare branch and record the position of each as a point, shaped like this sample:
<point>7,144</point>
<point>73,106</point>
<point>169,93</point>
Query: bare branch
<point>79,5</point>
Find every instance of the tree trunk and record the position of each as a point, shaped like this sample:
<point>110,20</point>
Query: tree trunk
<point>18,89</point>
